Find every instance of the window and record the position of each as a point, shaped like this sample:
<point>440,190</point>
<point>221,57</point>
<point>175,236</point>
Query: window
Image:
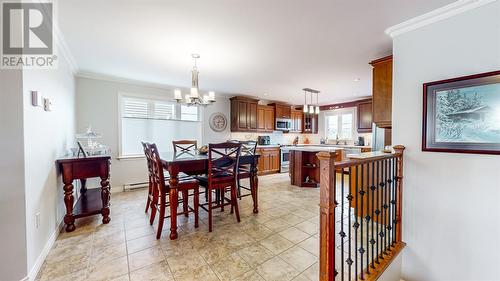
<point>340,124</point>
<point>155,120</point>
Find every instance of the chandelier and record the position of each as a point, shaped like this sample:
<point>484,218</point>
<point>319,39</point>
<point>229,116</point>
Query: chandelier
<point>194,98</point>
<point>310,108</point>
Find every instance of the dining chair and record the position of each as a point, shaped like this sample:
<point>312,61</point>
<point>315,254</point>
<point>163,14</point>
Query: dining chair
<point>161,189</point>
<point>223,161</point>
<point>185,146</point>
<point>244,170</point>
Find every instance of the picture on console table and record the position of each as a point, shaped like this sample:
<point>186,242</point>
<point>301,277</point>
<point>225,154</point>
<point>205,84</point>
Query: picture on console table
<point>462,114</point>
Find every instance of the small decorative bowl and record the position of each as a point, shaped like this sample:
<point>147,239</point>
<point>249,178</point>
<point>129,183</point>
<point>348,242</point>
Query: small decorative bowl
<point>203,149</point>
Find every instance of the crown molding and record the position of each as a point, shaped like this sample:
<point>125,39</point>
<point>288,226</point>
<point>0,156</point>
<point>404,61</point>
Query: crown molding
<point>448,11</point>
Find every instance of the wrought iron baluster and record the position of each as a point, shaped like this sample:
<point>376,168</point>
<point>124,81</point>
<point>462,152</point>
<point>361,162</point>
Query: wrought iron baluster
<point>394,200</point>
<point>368,218</point>
<point>349,199</point>
<point>377,211</point>
<point>386,207</point>
<point>362,206</point>
<point>342,233</point>
<point>372,241</point>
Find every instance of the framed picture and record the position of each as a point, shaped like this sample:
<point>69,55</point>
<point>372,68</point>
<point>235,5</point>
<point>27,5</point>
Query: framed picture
<point>462,115</point>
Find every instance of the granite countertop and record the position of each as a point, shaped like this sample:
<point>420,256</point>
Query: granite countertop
<point>317,148</point>
<point>268,146</point>
<point>332,145</point>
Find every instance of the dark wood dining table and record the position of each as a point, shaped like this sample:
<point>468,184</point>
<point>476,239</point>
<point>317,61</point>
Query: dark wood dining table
<point>192,163</point>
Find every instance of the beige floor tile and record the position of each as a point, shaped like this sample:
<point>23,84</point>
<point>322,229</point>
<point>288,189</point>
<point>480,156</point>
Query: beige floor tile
<point>276,244</point>
<point>211,254</point>
<point>109,240</point>
<point>276,269</point>
<point>311,245</point>
<point>45,275</point>
<point>312,273</point>
<point>139,231</point>
<point>292,219</point>
<point>145,257</point>
<point>251,275</point>
<point>255,254</point>
<point>230,267</point>
<point>258,231</point>
<point>142,243</point>
<point>153,272</point>
<point>109,270</point>
<point>124,277</point>
<point>299,258</point>
<point>308,227</point>
<point>101,255</point>
<point>204,273</point>
<point>302,277</point>
<point>180,265</point>
<point>294,235</point>
<point>276,224</point>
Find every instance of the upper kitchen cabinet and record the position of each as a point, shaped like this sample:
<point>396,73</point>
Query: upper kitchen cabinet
<point>265,118</point>
<point>365,116</point>
<point>282,111</point>
<point>382,92</point>
<point>310,124</point>
<point>297,120</point>
<point>243,114</point>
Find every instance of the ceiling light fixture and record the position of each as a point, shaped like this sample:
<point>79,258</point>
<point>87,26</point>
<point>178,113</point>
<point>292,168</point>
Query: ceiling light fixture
<point>194,98</point>
<point>311,108</point>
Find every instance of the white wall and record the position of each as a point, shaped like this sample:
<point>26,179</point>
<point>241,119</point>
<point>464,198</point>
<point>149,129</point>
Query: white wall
<point>47,136</point>
<point>97,105</point>
<point>12,199</point>
<point>451,206</point>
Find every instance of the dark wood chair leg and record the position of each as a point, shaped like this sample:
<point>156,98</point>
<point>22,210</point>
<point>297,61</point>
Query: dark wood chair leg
<point>234,202</point>
<point>196,203</point>
<point>148,203</point>
<point>185,201</point>
<point>162,215</point>
<point>154,203</point>
<point>222,191</point>
<point>209,210</point>
<point>239,188</point>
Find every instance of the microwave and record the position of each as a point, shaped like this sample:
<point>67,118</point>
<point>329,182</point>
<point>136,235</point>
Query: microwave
<point>283,124</point>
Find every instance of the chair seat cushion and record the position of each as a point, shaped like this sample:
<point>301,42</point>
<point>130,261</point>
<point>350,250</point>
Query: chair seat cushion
<point>218,180</point>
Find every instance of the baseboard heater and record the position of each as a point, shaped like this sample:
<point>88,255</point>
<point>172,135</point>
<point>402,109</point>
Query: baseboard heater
<point>134,186</point>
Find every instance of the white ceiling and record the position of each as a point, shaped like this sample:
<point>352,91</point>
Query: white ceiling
<point>269,49</point>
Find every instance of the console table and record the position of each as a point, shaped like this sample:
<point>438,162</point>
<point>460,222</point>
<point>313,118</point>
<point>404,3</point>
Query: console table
<point>91,201</point>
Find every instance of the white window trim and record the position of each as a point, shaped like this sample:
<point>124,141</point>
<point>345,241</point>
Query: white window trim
<point>340,111</point>
<point>120,96</point>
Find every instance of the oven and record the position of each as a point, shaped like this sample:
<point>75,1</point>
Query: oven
<point>283,124</point>
<point>285,159</point>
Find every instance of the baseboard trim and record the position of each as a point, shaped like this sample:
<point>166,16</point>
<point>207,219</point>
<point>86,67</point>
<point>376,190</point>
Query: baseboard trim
<point>43,255</point>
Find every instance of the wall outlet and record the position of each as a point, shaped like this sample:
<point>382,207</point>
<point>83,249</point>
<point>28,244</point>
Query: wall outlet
<point>48,106</point>
<point>37,219</point>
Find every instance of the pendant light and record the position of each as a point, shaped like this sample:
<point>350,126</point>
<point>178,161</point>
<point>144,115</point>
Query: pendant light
<point>306,108</point>
<point>317,104</point>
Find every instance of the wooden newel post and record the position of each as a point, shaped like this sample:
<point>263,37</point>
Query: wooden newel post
<point>399,191</point>
<point>327,216</point>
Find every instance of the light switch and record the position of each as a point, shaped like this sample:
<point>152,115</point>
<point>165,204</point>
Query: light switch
<point>36,98</point>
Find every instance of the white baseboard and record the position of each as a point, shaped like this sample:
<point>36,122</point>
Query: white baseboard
<point>43,255</point>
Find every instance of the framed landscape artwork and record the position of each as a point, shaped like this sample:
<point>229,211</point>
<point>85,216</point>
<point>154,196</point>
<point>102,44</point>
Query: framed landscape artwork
<point>462,115</point>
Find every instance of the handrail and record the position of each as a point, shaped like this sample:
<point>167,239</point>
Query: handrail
<point>369,190</point>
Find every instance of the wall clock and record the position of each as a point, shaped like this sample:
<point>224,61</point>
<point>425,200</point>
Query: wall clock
<point>218,122</point>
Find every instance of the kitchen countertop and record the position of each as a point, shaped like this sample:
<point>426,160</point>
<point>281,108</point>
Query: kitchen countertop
<point>268,146</point>
<point>331,145</point>
<point>317,148</point>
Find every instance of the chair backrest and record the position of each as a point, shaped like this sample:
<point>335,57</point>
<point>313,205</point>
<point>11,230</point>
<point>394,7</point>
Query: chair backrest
<point>145,146</point>
<point>223,159</point>
<point>158,176</point>
<point>248,147</point>
<point>185,145</point>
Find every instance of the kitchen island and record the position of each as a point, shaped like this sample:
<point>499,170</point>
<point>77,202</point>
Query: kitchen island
<point>304,165</point>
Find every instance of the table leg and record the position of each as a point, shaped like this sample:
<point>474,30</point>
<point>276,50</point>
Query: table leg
<point>69,220</point>
<point>254,187</point>
<point>105,200</point>
<point>173,199</point>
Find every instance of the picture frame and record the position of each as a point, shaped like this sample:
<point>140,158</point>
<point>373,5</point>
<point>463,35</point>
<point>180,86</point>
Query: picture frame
<point>462,115</point>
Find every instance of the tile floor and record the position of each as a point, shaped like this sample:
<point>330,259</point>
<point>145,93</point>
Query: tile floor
<point>279,243</point>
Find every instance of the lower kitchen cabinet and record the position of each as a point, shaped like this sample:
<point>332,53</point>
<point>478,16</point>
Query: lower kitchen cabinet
<point>269,160</point>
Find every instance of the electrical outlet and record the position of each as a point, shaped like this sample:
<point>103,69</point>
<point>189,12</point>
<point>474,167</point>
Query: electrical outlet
<point>36,98</point>
<point>37,219</point>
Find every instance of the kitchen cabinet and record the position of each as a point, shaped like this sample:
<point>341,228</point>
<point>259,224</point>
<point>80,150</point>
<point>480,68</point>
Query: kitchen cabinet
<point>269,160</point>
<point>244,114</point>
<point>310,124</point>
<point>265,118</point>
<point>282,111</point>
<point>382,92</point>
<point>297,118</point>
<point>365,117</point>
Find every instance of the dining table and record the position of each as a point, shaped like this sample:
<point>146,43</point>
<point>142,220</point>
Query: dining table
<point>194,163</point>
